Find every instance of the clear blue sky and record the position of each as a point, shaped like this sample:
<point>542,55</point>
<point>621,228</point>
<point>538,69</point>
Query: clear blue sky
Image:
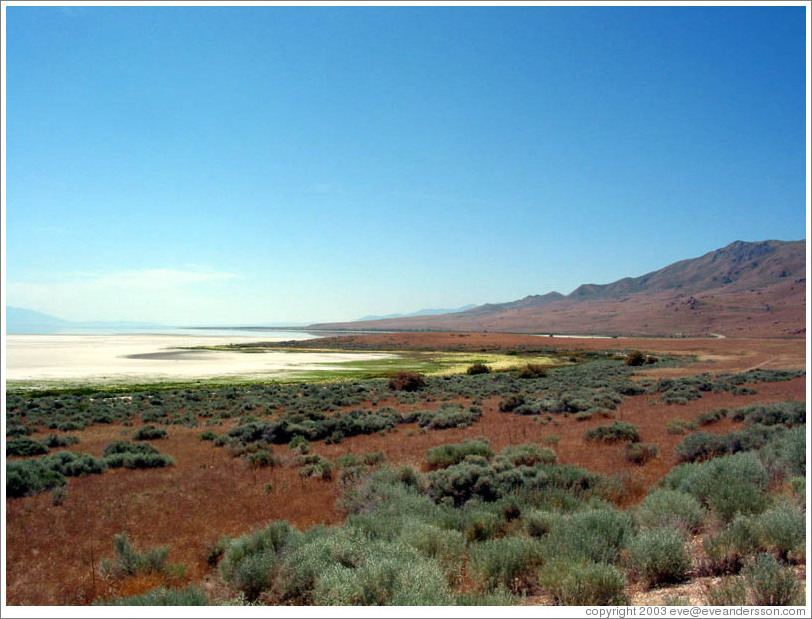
<point>232,165</point>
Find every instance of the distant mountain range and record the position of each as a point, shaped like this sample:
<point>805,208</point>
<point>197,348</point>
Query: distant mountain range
<point>21,321</point>
<point>423,312</point>
<point>744,289</point>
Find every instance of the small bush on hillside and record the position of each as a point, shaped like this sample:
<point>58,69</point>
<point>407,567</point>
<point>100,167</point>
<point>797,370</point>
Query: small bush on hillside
<point>781,530</point>
<point>635,358</point>
<point>299,445</point>
<point>64,440</point>
<point>445,455</point>
<point>728,592</point>
<point>447,547</point>
<point>25,447</point>
<point>659,557</point>
<point>615,432</point>
<point>584,584</point>
<point>679,426</point>
<point>481,525</point>
<point>727,550</point>
<point>672,509</point>
<point>448,416</point>
<point>771,584</point>
<point>712,416</point>
<point>248,560</point>
<point>135,456</point>
<point>190,596</point>
<point>640,453</point>
<point>509,562</point>
<point>528,454</point>
<point>532,370</point>
<point>538,523</point>
<point>407,381</point>
<point>477,368</point>
<point>315,466</point>
<point>72,464</point>
<point>596,535</point>
<point>511,403</point>
<point>129,562</point>
<point>729,485</point>
<point>149,433</point>
<point>29,477</point>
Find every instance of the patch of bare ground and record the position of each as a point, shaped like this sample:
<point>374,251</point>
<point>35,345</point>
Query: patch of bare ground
<point>53,551</point>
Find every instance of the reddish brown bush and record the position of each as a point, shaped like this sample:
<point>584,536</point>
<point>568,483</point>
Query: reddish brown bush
<point>407,381</point>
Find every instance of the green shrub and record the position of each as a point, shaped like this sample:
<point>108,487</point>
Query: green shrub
<point>729,485</point>
<point>615,432</point>
<point>658,556</point>
<point>129,562</point>
<point>498,597</point>
<point>640,453</point>
<point>532,370</point>
<point>538,523</point>
<point>528,454</point>
<point>452,453</point>
<point>316,466</point>
<point>190,596</point>
<point>782,530</point>
<point>584,584</point>
<point>679,426</point>
<point>139,461</point>
<point>72,464</point>
<point>511,403</point>
<point>25,447</point>
<point>135,456</point>
<point>261,458</point>
<point>390,574</point>
<point>771,584</point>
<point>126,447</point>
<point>63,440</point>
<point>717,414</point>
<point>448,416</point>
<point>252,575</point>
<point>249,560</point>
<point>670,508</point>
<point>299,445</point>
<point>446,547</point>
<point>592,535</point>
<point>208,435</point>
<point>481,525</point>
<point>778,413</point>
<point>728,592</point>
<point>509,562</point>
<point>149,433</point>
<point>29,477</point>
<point>727,550</point>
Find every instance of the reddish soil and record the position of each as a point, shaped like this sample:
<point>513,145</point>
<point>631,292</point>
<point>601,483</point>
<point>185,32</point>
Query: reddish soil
<point>53,552</point>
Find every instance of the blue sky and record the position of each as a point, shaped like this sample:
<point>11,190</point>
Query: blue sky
<point>234,165</point>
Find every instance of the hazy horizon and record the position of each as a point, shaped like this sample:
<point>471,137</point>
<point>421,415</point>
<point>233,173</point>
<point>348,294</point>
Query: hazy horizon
<point>268,165</point>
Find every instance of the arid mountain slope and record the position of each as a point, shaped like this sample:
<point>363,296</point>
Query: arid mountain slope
<point>742,290</point>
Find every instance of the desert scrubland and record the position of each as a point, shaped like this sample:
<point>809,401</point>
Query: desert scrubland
<point>651,471</point>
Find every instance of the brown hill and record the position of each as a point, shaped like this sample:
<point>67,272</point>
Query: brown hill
<point>744,289</point>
